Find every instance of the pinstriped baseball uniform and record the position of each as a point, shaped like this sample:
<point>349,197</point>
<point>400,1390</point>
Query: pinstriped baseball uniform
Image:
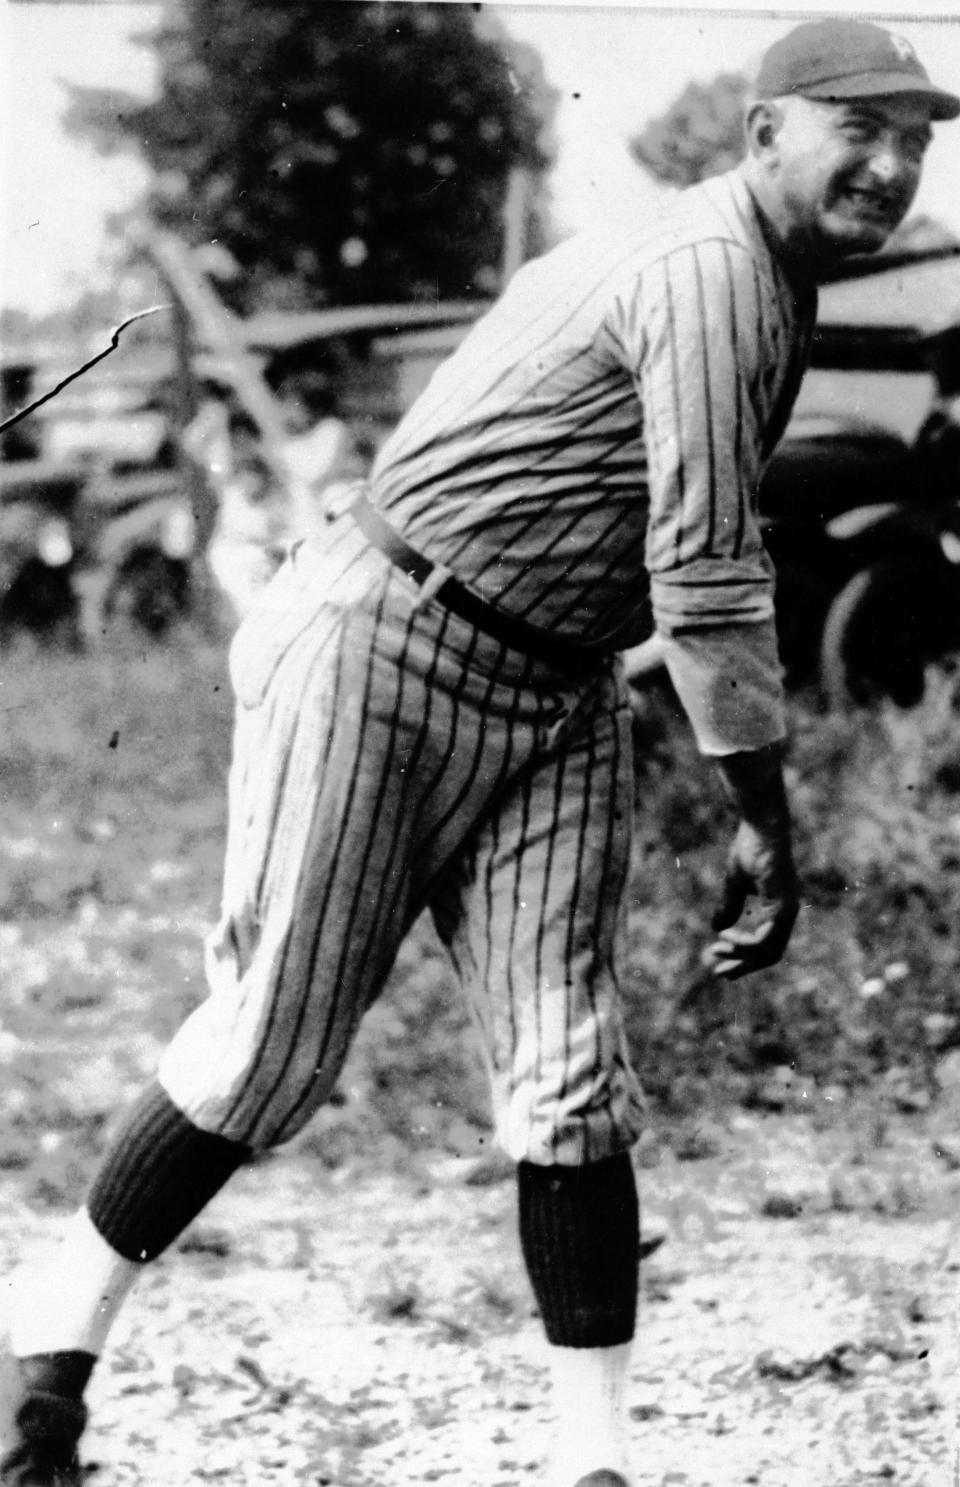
<point>589,457</point>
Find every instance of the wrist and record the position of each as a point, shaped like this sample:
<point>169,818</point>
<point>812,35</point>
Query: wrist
<point>754,785</point>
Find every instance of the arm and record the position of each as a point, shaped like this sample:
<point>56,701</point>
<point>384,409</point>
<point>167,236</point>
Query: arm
<point>759,863</point>
<point>701,365</point>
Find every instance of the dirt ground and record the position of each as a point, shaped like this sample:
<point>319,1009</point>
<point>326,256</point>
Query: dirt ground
<point>373,1324</point>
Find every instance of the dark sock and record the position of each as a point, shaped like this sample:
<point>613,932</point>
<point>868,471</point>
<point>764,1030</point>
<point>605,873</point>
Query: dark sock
<point>47,1417</point>
<point>65,1373</point>
<point>580,1237</point>
<point>158,1174</point>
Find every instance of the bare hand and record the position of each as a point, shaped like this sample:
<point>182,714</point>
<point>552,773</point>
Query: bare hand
<point>754,935</point>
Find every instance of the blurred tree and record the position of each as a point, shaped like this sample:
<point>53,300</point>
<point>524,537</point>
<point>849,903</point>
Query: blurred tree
<point>17,324</point>
<point>700,135</point>
<point>340,152</point>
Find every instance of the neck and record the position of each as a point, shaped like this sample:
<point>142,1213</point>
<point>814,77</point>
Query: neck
<point>798,256</point>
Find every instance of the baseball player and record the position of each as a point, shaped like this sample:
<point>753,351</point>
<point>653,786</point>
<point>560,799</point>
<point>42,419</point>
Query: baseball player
<point>431,715</point>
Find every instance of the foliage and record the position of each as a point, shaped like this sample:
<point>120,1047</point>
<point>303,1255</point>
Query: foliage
<point>867,995</point>
<point>340,152</point>
<point>16,324</point>
<point>700,135</point>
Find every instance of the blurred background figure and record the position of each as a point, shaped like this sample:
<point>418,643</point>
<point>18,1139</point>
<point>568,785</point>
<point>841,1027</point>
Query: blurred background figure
<point>247,541</point>
<point>267,498</point>
<point>321,453</point>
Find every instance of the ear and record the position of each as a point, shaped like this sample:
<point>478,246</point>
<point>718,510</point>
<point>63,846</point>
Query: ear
<point>763,124</point>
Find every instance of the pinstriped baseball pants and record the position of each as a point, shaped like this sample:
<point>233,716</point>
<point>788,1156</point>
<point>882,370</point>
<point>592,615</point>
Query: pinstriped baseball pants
<point>388,758</point>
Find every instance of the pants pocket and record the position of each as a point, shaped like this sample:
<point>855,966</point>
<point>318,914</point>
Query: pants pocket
<point>313,580</point>
<point>281,613</point>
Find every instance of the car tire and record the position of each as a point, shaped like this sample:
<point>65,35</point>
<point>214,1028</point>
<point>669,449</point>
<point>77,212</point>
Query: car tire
<point>867,651</point>
<point>150,591</point>
<point>801,602</point>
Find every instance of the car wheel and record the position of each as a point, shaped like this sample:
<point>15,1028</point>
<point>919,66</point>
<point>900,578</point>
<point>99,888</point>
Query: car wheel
<point>801,601</point>
<point>869,649</point>
<point>150,592</point>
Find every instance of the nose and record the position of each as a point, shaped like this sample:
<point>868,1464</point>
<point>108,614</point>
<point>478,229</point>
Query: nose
<point>890,161</point>
<point>886,163</point>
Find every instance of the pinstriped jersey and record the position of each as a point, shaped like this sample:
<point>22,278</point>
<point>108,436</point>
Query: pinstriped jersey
<point>592,449</point>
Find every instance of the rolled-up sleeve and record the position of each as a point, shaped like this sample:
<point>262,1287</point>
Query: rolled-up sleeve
<point>706,363</point>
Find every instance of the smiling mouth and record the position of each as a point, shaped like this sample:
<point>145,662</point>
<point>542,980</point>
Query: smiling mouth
<point>873,203</point>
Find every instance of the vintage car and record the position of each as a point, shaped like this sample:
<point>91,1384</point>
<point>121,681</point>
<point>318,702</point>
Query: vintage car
<point>95,515</point>
<point>82,546</point>
<point>860,503</point>
<point>864,530</point>
<point>39,505</point>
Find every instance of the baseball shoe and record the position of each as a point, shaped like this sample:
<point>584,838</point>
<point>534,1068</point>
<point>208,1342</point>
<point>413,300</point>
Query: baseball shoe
<point>602,1478</point>
<point>41,1433</point>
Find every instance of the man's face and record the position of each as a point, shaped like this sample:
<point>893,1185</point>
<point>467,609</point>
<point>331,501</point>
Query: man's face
<point>845,174</point>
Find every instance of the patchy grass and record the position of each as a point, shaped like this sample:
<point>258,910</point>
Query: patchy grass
<point>868,992</point>
<point>112,773</point>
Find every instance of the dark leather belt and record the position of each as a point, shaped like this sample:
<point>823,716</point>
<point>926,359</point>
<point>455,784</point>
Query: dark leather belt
<point>561,653</point>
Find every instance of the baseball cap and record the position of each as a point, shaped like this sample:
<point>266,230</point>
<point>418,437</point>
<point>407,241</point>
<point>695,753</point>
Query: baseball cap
<point>844,59</point>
